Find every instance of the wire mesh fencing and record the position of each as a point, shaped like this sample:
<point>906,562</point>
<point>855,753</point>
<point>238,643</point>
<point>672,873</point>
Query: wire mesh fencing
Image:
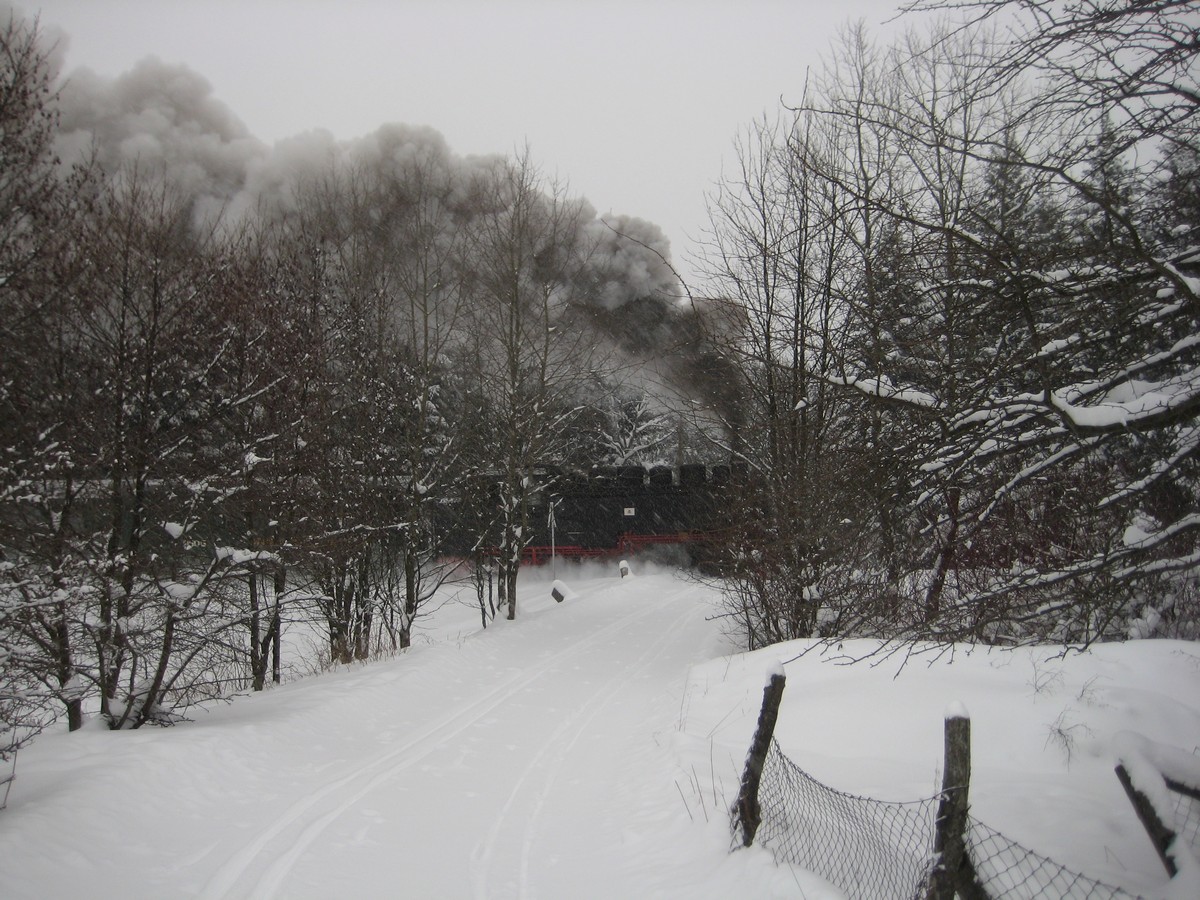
<point>877,850</point>
<point>1187,815</point>
<point>866,847</point>
<point>1004,868</point>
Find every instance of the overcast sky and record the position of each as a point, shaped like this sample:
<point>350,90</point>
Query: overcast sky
<point>635,104</point>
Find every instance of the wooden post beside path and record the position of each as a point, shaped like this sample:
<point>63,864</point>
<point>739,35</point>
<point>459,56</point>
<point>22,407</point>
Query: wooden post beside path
<point>747,812</point>
<point>949,842</point>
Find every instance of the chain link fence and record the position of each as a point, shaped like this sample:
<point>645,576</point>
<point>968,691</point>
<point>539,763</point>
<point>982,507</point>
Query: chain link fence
<point>876,850</point>
<point>866,847</point>
<point>1006,869</point>
<point>1187,817</point>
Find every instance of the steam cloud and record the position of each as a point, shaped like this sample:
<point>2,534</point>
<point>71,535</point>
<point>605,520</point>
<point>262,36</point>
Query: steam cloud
<point>160,118</point>
<point>164,119</point>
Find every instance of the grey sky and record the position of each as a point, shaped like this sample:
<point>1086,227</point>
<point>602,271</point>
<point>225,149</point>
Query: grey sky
<point>635,104</point>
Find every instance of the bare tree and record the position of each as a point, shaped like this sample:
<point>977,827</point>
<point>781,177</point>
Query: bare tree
<point>527,256</point>
<point>159,349</point>
<point>259,440</point>
<point>411,201</point>
<point>41,477</point>
<point>779,244</point>
<point>1052,357</point>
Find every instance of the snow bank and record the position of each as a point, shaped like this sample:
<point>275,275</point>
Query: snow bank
<point>956,709</point>
<point>868,720</point>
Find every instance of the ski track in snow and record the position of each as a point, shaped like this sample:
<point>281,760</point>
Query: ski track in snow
<point>554,752</point>
<point>282,843</point>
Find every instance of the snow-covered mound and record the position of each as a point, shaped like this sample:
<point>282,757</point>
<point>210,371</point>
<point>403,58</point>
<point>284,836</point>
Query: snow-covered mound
<point>1046,733</point>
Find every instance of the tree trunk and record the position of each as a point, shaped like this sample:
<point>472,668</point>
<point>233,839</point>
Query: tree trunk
<point>257,643</point>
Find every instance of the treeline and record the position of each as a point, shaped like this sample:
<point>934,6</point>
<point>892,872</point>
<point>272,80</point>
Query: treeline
<point>962,283</point>
<point>952,331</point>
<point>210,424</point>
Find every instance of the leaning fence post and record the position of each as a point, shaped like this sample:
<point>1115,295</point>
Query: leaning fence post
<point>949,842</point>
<point>1161,835</point>
<point>746,811</point>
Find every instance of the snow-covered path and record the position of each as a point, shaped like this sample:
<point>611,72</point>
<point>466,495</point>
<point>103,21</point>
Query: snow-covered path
<point>532,760</point>
<point>590,749</point>
<point>492,759</point>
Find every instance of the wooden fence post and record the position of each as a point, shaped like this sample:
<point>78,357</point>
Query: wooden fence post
<point>1161,835</point>
<point>949,841</point>
<point>747,812</point>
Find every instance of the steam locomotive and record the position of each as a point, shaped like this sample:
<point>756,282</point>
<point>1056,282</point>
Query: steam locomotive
<point>623,510</point>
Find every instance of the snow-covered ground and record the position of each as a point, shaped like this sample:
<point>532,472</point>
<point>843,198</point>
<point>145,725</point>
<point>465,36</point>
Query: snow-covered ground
<point>590,749</point>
